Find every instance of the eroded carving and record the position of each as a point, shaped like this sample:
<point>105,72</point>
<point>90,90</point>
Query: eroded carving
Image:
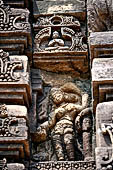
<point>68,102</point>
<point>8,67</point>
<point>58,20</point>
<point>12,19</point>
<point>3,110</point>
<point>3,163</point>
<point>75,40</point>
<point>83,123</point>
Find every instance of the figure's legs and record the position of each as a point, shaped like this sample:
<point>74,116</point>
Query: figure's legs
<point>68,140</point>
<point>57,143</point>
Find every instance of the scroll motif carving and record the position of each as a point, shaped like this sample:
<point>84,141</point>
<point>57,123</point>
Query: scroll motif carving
<point>3,111</point>
<point>9,127</point>
<point>11,19</point>
<point>8,67</point>
<point>3,164</point>
<point>67,104</point>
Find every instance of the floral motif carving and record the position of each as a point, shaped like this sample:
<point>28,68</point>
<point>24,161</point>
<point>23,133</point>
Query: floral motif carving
<point>12,19</point>
<point>8,67</point>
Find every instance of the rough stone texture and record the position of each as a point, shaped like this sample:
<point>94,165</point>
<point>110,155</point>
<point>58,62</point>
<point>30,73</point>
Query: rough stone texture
<point>102,80</point>
<point>101,45</point>
<point>18,3</point>
<point>14,79</point>
<point>52,6</point>
<point>15,30</point>
<point>13,132</point>
<point>104,135</point>
<point>100,15</point>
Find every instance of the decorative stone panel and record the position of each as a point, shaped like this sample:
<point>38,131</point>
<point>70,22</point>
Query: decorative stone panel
<point>14,132</point>
<point>14,79</point>
<point>102,80</point>
<point>60,44</point>
<point>64,165</point>
<point>101,45</point>
<point>104,135</point>
<point>15,30</point>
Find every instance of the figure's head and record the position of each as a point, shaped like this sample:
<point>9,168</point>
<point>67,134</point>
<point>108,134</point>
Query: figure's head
<point>57,95</point>
<point>71,93</point>
<point>86,124</point>
<point>55,35</point>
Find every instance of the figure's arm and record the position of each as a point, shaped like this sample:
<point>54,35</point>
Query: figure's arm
<point>77,107</point>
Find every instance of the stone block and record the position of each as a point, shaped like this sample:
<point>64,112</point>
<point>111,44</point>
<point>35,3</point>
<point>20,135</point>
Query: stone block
<point>104,135</point>
<point>15,30</point>
<point>53,6</point>
<point>14,79</point>
<point>102,80</point>
<point>101,45</point>
<point>14,132</point>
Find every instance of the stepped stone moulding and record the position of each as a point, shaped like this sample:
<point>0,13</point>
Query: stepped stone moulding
<point>101,45</point>
<point>14,131</point>
<point>102,80</point>
<point>104,136</point>
<point>14,79</point>
<point>15,30</point>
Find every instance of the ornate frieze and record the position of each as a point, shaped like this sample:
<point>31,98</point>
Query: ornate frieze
<point>64,165</point>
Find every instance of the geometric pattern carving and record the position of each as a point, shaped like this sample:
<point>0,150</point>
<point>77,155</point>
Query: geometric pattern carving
<point>65,165</point>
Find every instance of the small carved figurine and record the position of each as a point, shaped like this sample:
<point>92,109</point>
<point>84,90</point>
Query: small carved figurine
<point>56,43</point>
<point>67,104</point>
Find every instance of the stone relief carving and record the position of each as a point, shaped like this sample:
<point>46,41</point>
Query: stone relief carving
<point>13,19</point>
<point>83,123</point>
<point>3,110</point>
<point>76,42</point>
<point>8,67</point>
<point>67,104</point>
<point>3,163</point>
<point>58,20</point>
<point>67,165</point>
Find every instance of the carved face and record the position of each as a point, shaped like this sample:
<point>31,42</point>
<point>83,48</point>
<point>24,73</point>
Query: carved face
<point>86,124</point>
<point>55,35</point>
<point>57,96</point>
<point>71,98</point>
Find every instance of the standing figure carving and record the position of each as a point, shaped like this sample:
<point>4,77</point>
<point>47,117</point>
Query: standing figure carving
<point>68,102</point>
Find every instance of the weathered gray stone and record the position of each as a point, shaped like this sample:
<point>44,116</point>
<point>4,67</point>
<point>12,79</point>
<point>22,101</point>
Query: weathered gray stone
<point>101,45</point>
